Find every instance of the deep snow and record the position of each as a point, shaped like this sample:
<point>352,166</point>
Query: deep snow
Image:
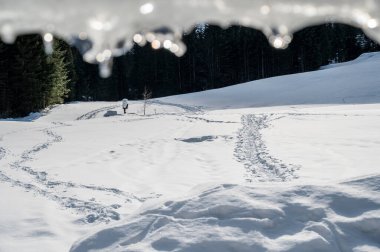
<point>281,164</point>
<point>244,218</point>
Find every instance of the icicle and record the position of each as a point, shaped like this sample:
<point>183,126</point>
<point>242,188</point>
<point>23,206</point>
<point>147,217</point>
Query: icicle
<point>179,49</point>
<point>170,41</point>
<point>279,37</point>
<point>139,39</point>
<point>7,34</point>
<point>48,43</point>
<point>168,44</point>
<point>105,63</point>
<point>105,68</point>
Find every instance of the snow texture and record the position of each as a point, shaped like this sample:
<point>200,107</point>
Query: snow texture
<point>281,164</point>
<point>242,218</point>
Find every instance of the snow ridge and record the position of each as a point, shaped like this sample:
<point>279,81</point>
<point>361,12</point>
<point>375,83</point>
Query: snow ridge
<point>252,152</point>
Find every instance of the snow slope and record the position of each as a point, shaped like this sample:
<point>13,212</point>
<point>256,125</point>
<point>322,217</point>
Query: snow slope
<point>357,82</point>
<point>281,164</point>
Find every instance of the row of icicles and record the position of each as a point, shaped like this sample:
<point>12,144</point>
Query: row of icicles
<point>104,58</point>
<point>279,38</point>
<point>156,40</point>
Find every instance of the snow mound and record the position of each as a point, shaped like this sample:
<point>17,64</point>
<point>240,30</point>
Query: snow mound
<point>355,83</point>
<point>343,217</point>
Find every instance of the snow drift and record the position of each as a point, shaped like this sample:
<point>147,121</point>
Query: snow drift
<point>344,217</point>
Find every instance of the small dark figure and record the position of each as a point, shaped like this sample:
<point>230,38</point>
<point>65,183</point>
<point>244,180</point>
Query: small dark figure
<point>125,105</point>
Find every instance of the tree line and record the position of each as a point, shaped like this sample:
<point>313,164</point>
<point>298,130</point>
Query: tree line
<point>30,80</point>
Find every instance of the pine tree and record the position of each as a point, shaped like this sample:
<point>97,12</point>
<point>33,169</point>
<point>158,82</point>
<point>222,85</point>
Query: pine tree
<point>58,76</point>
<point>27,75</point>
<point>31,80</point>
<point>71,71</point>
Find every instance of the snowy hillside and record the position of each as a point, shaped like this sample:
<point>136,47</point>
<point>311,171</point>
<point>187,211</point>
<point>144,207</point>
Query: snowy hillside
<point>282,164</point>
<point>356,82</point>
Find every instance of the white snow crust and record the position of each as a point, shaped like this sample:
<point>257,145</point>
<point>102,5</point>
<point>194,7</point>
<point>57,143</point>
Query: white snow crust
<point>281,164</point>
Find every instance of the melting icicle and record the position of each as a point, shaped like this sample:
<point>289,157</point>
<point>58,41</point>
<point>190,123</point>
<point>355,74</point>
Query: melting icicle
<point>168,44</point>
<point>179,49</point>
<point>139,39</point>
<point>48,43</point>
<point>170,41</point>
<point>280,41</point>
<point>105,63</point>
<point>7,34</point>
<point>105,68</point>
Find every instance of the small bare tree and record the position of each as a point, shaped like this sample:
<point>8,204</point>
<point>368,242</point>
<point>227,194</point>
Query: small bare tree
<point>146,95</point>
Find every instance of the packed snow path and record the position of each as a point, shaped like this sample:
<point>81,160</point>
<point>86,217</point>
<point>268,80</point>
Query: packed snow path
<point>253,153</point>
<point>93,113</point>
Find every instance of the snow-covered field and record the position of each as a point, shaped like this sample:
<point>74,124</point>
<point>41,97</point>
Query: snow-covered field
<point>282,164</point>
